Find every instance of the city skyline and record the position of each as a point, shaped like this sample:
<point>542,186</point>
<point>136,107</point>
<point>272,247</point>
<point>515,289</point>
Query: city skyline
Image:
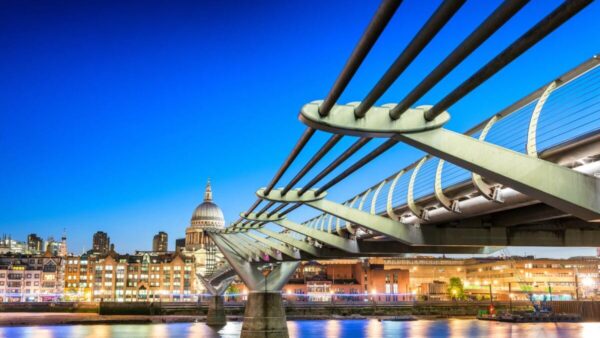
<point>124,140</point>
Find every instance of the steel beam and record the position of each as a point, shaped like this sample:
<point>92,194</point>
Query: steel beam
<point>335,241</point>
<point>282,248</point>
<point>254,252</point>
<point>376,248</point>
<point>260,246</point>
<point>545,234</point>
<point>300,245</point>
<point>404,233</point>
<point>560,187</point>
<point>240,251</point>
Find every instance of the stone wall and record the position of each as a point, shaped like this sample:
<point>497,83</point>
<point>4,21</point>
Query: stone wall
<point>589,310</point>
<point>49,307</point>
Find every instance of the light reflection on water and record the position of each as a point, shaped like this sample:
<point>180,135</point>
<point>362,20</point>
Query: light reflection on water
<point>317,328</point>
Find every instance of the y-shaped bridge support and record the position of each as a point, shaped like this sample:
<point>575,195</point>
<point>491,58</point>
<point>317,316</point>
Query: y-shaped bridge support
<point>264,315</point>
<point>216,309</point>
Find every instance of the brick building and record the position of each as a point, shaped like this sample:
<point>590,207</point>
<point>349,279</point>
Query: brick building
<point>144,276</point>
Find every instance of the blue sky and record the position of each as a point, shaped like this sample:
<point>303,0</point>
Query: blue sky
<point>114,113</point>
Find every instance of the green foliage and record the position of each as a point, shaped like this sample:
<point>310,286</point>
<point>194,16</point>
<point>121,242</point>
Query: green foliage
<point>456,289</point>
<point>526,288</point>
<point>232,289</point>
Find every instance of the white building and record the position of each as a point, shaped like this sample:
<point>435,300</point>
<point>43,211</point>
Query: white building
<point>26,278</point>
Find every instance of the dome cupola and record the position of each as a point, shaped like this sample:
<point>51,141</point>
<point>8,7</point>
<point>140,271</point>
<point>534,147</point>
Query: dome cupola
<point>208,214</point>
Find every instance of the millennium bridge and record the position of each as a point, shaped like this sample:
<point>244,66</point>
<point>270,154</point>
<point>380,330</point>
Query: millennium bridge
<point>527,175</point>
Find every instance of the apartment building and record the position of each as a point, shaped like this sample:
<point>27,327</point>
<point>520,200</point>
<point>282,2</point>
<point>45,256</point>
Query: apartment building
<point>143,276</point>
<point>27,278</point>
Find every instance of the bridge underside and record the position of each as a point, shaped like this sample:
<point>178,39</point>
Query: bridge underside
<point>543,192</point>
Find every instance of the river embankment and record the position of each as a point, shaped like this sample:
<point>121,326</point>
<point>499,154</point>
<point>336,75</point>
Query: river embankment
<point>65,318</point>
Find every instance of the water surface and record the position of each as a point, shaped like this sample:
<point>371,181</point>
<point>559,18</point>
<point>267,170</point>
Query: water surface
<point>315,328</point>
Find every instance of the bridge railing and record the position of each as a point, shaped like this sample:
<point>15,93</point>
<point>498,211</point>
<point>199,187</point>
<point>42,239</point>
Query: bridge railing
<point>568,111</point>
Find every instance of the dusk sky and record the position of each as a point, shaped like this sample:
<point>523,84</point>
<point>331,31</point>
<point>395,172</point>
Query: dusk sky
<point>114,113</point>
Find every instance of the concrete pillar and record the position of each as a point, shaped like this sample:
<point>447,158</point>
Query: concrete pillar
<point>264,316</point>
<point>216,312</point>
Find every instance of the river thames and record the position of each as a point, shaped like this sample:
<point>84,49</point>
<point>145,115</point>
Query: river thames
<point>316,328</point>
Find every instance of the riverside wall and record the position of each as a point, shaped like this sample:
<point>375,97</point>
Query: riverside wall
<point>589,310</point>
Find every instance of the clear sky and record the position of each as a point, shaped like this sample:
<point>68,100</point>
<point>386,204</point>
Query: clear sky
<point>114,113</point>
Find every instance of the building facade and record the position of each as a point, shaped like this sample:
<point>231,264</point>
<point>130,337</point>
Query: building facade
<point>144,276</point>
<point>160,242</point>
<point>100,242</point>
<point>28,278</point>
<point>429,278</point>
<point>11,246</point>
<point>207,215</point>
<point>346,280</point>
<point>35,244</point>
<point>179,244</point>
<point>517,277</point>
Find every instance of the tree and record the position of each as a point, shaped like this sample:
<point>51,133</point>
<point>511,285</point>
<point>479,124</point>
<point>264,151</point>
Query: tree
<point>526,288</point>
<point>456,289</point>
<point>232,290</point>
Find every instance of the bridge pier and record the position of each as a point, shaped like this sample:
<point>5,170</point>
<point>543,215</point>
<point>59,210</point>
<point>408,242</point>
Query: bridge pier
<point>216,308</point>
<point>264,315</point>
<point>216,311</point>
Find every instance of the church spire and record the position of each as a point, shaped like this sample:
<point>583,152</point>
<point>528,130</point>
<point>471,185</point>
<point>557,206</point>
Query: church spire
<point>208,192</point>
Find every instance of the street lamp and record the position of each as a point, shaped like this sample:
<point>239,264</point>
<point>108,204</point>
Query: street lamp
<point>587,282</point>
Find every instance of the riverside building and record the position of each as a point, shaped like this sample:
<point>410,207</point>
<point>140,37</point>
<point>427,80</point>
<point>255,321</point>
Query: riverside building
<point>28,278</point>
<point>428,278</point>
<point>158,275</point>
<point>144,276</point>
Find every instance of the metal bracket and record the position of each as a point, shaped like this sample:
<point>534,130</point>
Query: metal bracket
<point>262,217</point>
<point>389,208</point>
<point>375,195</point>
<point>490,191</point>
<point>531,146</point>
<point>292,196</point>
<point>448,204</point>
<point>376,123</point>
<point>410,200</point>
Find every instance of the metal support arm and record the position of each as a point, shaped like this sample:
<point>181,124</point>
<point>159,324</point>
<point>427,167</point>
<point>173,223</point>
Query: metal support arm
<point>335,241</point>
<point>560,187</point>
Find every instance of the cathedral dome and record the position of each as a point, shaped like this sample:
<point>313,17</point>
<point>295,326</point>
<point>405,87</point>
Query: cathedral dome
<point>208,214</point>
